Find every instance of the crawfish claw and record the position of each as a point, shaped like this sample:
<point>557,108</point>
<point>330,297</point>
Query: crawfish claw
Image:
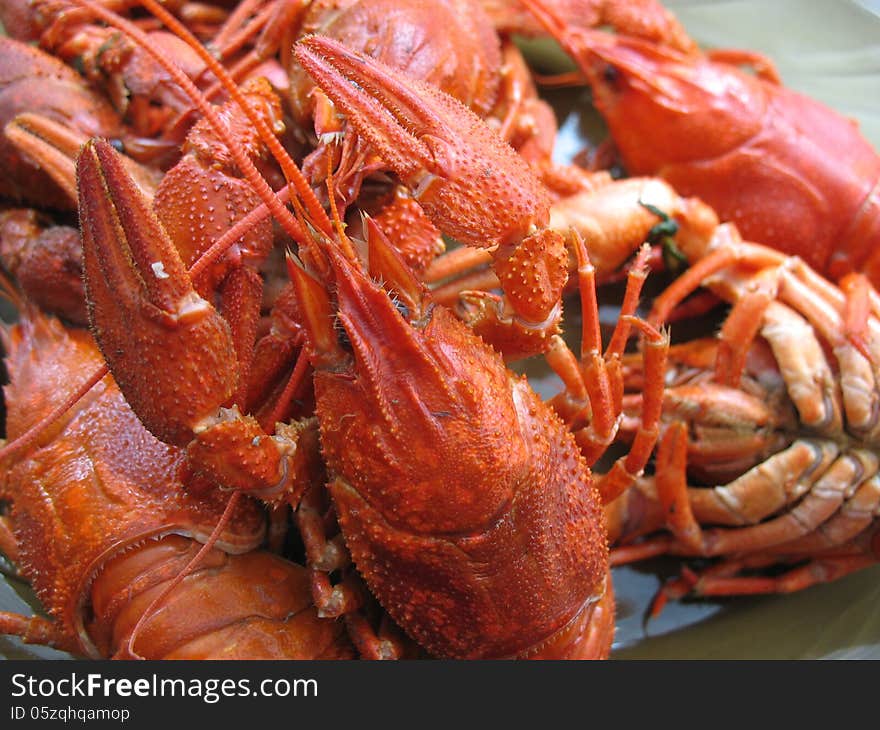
<point>470,182</point>
<point>456,166</point>
<point>146,316</point>
<point>169,350</point>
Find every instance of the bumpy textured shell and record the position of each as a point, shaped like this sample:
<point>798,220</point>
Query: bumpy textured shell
<point>449,44</point>
<point>104,525</point>
<point>462,497</point>
<point>97,481</point>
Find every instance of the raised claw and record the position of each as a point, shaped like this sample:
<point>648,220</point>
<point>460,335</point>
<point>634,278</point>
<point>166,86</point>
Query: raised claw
<point>467,178</point>
<point>469,181</point>
<point>171,352</point>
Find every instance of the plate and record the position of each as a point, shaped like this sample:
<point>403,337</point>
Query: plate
<point>829,50</point>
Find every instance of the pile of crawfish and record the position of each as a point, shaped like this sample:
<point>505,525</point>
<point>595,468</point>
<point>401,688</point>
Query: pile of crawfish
<point>271,261</point>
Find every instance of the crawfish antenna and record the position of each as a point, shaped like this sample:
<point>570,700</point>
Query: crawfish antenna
<point>260,186</point>
<point>188,570</point>
<point>291,172</point>
<point>344,241</point>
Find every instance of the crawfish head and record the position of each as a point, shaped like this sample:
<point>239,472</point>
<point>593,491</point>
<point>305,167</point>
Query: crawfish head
<point>789,171</point>
<point>659,103</point>
<point>463,499</point>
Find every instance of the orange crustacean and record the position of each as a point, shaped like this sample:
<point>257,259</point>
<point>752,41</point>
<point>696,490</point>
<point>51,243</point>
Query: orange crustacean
<point>140,294</point>
<point>101,525</point>
<point>791,172</point>
<point>310,364</point>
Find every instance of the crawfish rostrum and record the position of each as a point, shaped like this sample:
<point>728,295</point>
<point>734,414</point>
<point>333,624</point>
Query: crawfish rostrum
<point>259,401</point>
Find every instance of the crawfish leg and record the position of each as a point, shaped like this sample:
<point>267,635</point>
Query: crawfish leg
<point>241,26</point>
<point>677,588</point>
<point>726,579</point>
<point>832,314</point>
<point>600,377</point>
<point>826,496</point>
<point>857,289</point>
<point>763,66</point>
<point>672,486</point>
<point>54,147</point>
<point>625,554</point>
<point>820,570</point>
<point>729,252</point>
<point>384,644</point>
<point>37,630</point>
<point>593,387</point>
<point>53,159</point>
<point>628,468</point>
<point>764,490</point>
<point>741,327</point>
<point>325,556</point>
<point>847,526</point>
<point>451,266</point>
<point>843,545</point>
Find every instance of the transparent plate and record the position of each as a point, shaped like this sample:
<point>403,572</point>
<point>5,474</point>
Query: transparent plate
<point>829,49</point>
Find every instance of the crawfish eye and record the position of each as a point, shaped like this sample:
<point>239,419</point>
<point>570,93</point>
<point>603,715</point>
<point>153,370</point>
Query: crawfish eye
<point>118,145</point>
<point>610,74</point>
<point>401,308</point>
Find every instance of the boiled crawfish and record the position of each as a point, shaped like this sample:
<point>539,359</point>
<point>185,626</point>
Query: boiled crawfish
<point>580,563</point>
<point>781,412</point>
<point>550,480</point>
<point>457,557</point>
<point>437,408</point>
<point>790,172</point>
<point>102,526</point>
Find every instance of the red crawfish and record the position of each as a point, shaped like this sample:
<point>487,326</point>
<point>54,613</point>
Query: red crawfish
<point>462,497</point>
<point>789,171</point>
<point>101,526</point>
<point>768,458</point>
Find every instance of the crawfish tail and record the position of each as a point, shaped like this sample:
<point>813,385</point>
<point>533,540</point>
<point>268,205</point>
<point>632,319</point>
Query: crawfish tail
<point>103,522</point>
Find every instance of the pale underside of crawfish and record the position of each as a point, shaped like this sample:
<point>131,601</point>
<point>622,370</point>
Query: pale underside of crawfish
<point>778,419</point>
